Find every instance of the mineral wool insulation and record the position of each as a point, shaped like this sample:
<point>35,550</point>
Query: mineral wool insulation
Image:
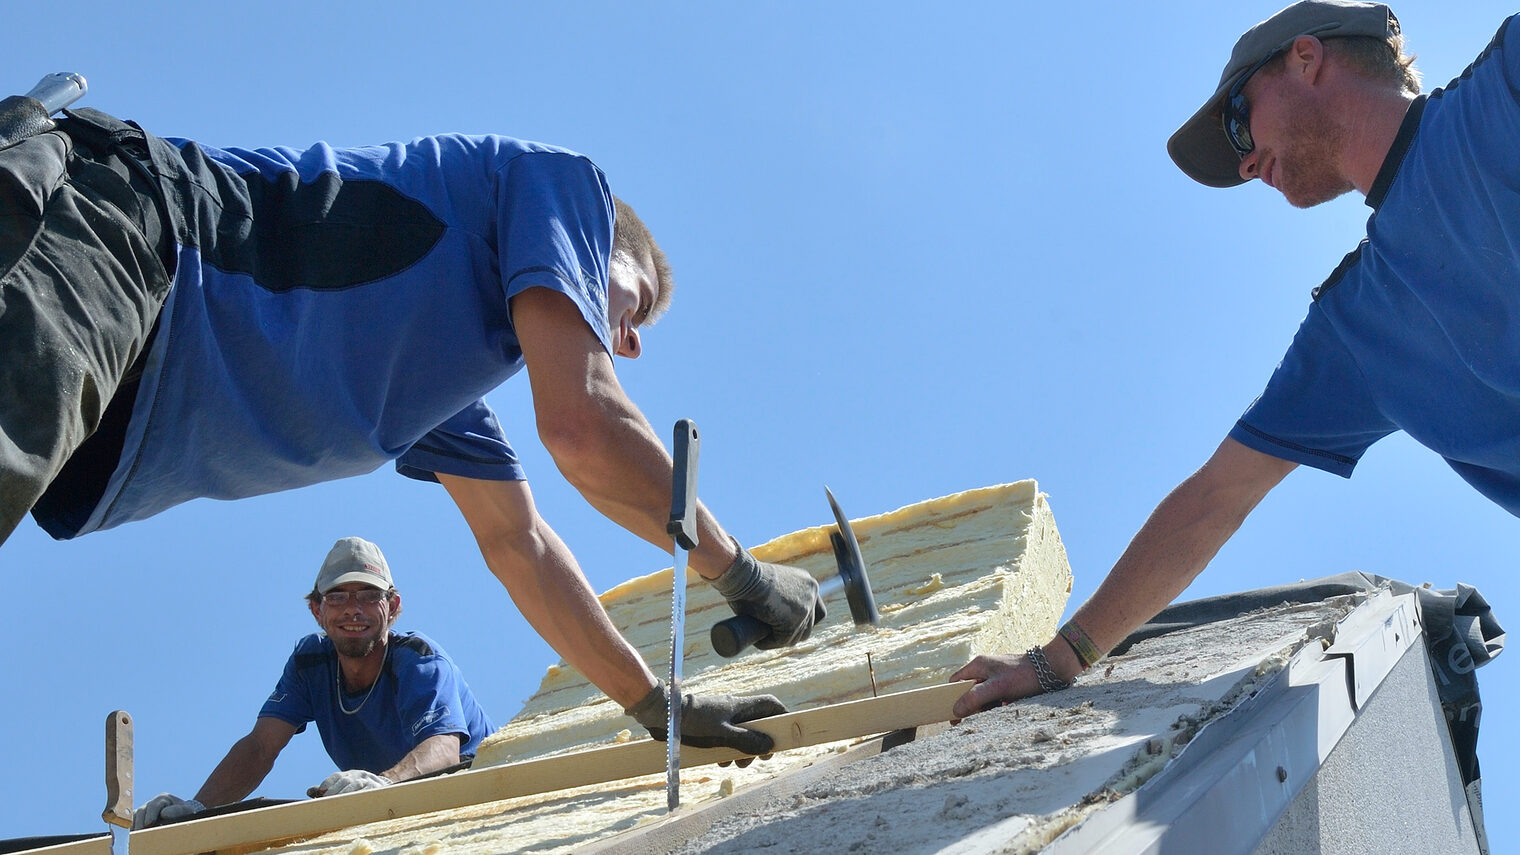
<point>982,571</point>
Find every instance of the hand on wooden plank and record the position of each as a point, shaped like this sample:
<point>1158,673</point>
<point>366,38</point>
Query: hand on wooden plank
<point>710,721</point>
<point>349,781</point>
<point>164,807</point>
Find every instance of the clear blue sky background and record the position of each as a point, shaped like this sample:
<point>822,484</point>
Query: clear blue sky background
<point>919,249</point>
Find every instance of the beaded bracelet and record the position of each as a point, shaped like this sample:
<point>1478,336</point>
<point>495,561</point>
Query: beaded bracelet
<point>1049,682</point>
<point>1082,645</point>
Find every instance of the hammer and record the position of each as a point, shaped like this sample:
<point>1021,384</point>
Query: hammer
<point>23,116</point>
<point>732,635</point>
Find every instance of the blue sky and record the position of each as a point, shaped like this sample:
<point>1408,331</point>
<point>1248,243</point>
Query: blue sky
<point>919,249</point>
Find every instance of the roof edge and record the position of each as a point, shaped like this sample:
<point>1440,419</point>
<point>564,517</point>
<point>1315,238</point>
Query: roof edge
<point>1253,760</point>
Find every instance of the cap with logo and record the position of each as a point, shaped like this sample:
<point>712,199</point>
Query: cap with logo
<point>354,559</point>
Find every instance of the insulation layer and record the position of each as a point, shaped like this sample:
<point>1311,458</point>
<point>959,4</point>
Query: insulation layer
<point>982,571</point>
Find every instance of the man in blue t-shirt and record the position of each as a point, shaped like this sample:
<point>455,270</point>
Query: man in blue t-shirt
<point>1418,329</point>
<point>181,321</point>
<point>390,707</point>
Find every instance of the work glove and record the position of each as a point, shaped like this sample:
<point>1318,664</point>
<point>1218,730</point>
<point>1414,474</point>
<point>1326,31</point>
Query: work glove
<point>783,598</point>
<point>349,781</point>
<point>164,808</point>
<point>709,721</point>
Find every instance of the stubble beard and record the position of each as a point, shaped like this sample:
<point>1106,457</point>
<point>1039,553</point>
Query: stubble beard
<point>1309,169</point>
<point>357,648</point>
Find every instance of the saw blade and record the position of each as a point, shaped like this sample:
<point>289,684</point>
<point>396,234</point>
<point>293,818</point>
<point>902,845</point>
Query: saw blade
<point>673,711</point>
<point>683,530</point>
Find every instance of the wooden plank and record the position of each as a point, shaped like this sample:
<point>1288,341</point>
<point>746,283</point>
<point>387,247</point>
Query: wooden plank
<point>301,820</point>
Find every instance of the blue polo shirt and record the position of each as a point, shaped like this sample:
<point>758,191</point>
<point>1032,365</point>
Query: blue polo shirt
<point>335,309</point>
<point>1418,329</point>
<point>420,693</point>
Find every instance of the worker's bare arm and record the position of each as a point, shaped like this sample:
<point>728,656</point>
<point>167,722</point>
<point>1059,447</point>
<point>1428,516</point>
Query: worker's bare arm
<point>547,585</point>
<point>439,751</point>
<point>1181,537</point>
<point>605,447</point>
<point>247,762</point>
<point>1178,540</point>
<point>599,440</point>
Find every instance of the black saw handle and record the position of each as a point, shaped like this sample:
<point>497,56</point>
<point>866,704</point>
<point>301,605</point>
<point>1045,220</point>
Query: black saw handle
<point>683,498</point>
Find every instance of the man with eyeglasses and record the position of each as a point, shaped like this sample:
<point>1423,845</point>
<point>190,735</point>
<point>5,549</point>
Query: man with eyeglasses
<point>389,706</point>
<point>1418,329</point>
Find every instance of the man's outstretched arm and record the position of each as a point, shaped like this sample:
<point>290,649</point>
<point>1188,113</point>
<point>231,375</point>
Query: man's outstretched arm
<point>549,589</point>
<point>547,585</point>
<point>1178,540</point>
<point>605,447</point>
<point>438,751</point>
<point>600,441</point>
<point>247,764</point>
<point>245,767</point>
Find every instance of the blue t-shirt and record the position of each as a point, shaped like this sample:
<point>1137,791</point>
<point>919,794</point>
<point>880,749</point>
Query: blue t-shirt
<point>1418,329</point>
<point>335,309</point>
<point>420,693</point>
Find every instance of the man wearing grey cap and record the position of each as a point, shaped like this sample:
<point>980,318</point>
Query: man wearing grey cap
<point>389,706</point>
<point>1417,329</point>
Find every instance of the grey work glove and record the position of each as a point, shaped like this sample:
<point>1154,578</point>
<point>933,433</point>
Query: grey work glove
<point>164,808</point>
<point>783,598</point>
<point>349,781</point>
<point>709,721</point>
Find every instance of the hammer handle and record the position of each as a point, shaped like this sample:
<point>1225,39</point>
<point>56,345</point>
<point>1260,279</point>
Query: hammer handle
<point>731,636</point>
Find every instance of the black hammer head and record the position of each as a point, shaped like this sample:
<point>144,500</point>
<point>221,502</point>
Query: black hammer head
<point>852,569</point>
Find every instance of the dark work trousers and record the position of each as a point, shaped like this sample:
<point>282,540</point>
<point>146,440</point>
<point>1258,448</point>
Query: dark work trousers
<point>84,256</point>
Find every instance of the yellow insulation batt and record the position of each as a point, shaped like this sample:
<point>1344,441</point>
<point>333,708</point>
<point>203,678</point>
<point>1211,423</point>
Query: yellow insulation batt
<point>975,572</point>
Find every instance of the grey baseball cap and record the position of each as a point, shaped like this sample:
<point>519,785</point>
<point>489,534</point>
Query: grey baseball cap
<point>354,559</point>
<point>1200,147</point>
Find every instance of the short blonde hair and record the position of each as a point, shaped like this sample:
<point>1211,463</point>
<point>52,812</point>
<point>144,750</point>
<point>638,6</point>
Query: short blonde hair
<point>1374,58</point>
<point>631,237</point>
<point>1378,59</point>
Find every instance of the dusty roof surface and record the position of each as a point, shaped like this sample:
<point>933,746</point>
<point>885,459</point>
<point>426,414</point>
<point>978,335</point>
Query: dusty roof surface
<point>1016,773</point>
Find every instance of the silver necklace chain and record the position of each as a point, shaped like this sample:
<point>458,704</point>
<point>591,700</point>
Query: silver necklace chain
<point>338,684</point>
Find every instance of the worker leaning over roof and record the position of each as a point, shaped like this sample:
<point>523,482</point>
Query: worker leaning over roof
<point>1418,329</point>
<point>389,706</point>
<point>180,321</point>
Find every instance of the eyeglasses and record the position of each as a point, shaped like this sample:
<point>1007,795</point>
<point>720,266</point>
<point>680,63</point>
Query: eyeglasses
<point>1236,117</point>
<point>366,597</point>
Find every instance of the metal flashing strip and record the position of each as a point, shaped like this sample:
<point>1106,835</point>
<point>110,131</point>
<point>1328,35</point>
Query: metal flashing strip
<point>1372,640</point>
<point>1244,769</point>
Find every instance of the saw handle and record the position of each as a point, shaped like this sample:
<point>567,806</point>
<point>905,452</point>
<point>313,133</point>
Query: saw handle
<point>683,500</point>
<point>118,770</point>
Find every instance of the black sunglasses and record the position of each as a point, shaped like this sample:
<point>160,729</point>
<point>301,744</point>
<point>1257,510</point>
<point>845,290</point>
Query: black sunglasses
<point>1236,116</point>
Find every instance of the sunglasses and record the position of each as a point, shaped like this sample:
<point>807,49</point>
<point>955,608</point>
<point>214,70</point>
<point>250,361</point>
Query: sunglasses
<point>1236,116</point>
